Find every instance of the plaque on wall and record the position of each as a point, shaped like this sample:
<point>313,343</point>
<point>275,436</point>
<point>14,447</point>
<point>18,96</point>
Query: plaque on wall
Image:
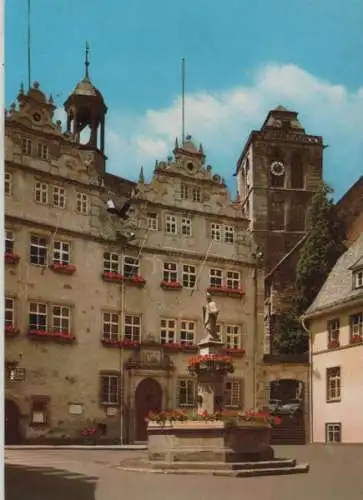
<point>111,411</point>
<point>75,409</point>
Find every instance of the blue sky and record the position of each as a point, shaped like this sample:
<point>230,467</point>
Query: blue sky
<point>243,58</point>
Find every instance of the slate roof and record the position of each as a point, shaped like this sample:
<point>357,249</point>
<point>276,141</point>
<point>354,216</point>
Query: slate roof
<point>338,287</point>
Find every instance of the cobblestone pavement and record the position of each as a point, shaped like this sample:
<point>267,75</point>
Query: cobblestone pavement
<point>336,474</point>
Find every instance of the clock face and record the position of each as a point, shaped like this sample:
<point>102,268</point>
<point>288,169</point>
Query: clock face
<point>277,168</point>
<point>36,117</point>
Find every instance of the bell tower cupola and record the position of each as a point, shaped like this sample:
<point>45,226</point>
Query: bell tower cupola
<point>86,109</point>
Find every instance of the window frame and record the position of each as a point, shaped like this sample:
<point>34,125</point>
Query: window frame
<point>189,332</point>
<point>42,151</point>
<point>152,221</point>
<point>356,327</point>
<point>36,325</point>
<point>184,191</point>
<point>186,226</point>
<point>197,194</point>
<point>61,318</point>
<point>232,336</point>
<point>9,238</point>
<point>214,279</point>
<point>113,320</point>
<point>168,274</point>
<point>167,329</point>
<point>333,384</point>
<point>44,408</point>
<point>190,392</point>
<point>171,225</point>
<point>59,198</point>
<point>189,276</point>
<point>9,322</point>
<point>82,203</point>
<point>333,424</point>
<point>358,278</point>
<point>41,192</point>
<point>134,265</point>
<point>113,263</point>
<point>216,232</point>
<point>333,327</point>
<point>233,279</point>
<point>64,253</point>
<point>229,234</point>
<point>133,325</point>
<point>8,184</point>
<point>41,260</point>
<point>26,146</point>
<point>234,402</point>
<point>110,401</point>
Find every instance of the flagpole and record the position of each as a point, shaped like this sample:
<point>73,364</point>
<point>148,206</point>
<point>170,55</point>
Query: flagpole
<point>28,42</point>
<point>183,100</point>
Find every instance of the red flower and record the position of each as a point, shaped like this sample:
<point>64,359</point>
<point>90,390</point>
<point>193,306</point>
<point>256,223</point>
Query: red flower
<point>10,329</point>
<point>49,334</point>
<point>176,285</point>
<point>11,258</point>
<point>113,276</point>
<point>333,344</point>
<point>226,290</point>
<point>63,268</point>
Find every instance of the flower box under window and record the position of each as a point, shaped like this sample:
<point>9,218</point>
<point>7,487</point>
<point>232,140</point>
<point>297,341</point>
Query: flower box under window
<point>172,346</point>
<point>235,352</point>
<point>226,291</point>
<point>171,285</point>
<point>356,339</point>
<point>66,337</point>
<point>112,276</point>
<point>60,268</point>
<point>11,331</point>
<point>135,281</point>
<point>111,342</point>
<point>189,348</point>
<point>129,344</point>
<point>334,344</point>
<point>11,258</point>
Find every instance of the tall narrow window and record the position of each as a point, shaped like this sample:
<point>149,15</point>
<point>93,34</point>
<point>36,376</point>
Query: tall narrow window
<point>233,336</point>
<point>197,195</point>
<point>26,146</point>
<point>8,184</point>
<point>167,331</point>
<point>333,384</point>
<point>232,393</point>
<point>186,392</point>
<point>277,215</point>
<point>9,241</point>
<point>132,328</point>
<point>152,221</point>
<point>333,330</point>
<point>189,276</point>
<point>42,151</point>
<point>228,234</point>
<point>131,267</point>
<point>41,193</point>
<point>61,319</point>
<point>170,272</point>
<point>184,192</point>
<point>38,250</point>
<point>110,326</point>
<point>186,226</point>
<point>187,332</point>
<point>216,232</point>
<point>38,317</point>
<point>170,224</point>
<point>82,203</point>
<point>110,389</point>
<point>59,197</point>
<point>297,172</point>
<point>9,312</point>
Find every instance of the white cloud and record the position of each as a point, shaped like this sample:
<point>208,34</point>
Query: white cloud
<point>223,121</point>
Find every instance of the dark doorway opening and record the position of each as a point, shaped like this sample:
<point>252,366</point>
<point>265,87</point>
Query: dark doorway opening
<point>148,398</point>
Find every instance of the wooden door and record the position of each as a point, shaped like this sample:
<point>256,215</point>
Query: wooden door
<point>148,398</point>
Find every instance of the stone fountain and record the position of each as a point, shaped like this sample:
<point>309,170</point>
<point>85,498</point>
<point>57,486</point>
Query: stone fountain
<point>212,445</point>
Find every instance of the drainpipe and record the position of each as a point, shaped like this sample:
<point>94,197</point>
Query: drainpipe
<point>258,256</point>
<point>122,381</point>
<point>302,320</point>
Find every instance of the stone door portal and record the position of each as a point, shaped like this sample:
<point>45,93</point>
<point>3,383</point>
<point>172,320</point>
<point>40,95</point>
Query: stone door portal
<point>12,423</point>
<point>148,397</point>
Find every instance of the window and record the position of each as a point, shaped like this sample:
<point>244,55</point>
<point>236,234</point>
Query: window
<point>219,330</point>
<point>82,205</point>
<point>61,319</point>
<point>152,221</point>
<point>189,276</point>
<point>356,325</point>
<point>297,217</point>
<point>197,194</point>
<point>186,392</point>
<point>215,278</point>
<point>333,384</point>
<point>39,410</point>
<point>9,312</point>
<point>277,215</point>
<point>232,393</point>
<point>42,151</point>
<point>61,252</point>
<point>131,267</point>
<point>170,272</point>
<point>41,192</point>
<point>358,279</point>
<point>9,241</point>
<point>170,224</point>
<point>233,337</point>
<point>297,172</point>
<point>110,389</point>
<point>110,326</point>
<point>233,280</point>
<point>8,184</point>
<point>132,328</point>
<point>333,330</point>
<point>38,318</point>
<point>167,331</point>
<point>216,232</point>
<point>111,262</point>
<point>59,197</point>
<point>184,192</point>
<point>187,332</point>
<point>333,433</point>
<point>186,226</point>
<point>38,250</point>
<point>26,146</point>
<point>228,234</point>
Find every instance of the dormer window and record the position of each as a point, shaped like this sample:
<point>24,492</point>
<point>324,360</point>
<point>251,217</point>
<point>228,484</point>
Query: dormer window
<point>26,146</point>
<point>358,279</point>
<point>42,151</point>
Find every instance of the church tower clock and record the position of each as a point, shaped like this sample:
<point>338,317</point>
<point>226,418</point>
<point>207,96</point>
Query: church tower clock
<point>277,173</point>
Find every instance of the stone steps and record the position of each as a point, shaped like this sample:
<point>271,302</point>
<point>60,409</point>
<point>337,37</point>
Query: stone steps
<point>283,463</point>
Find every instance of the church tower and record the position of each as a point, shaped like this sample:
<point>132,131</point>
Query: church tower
<point>85,108</point>
<point>277,173</point>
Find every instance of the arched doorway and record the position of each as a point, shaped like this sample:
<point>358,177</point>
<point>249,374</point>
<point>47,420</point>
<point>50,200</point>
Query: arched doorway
<point>12,423</point>
<point>148,397</point>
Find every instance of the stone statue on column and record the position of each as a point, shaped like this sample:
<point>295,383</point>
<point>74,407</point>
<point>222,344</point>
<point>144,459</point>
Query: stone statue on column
<point>210,315</point>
